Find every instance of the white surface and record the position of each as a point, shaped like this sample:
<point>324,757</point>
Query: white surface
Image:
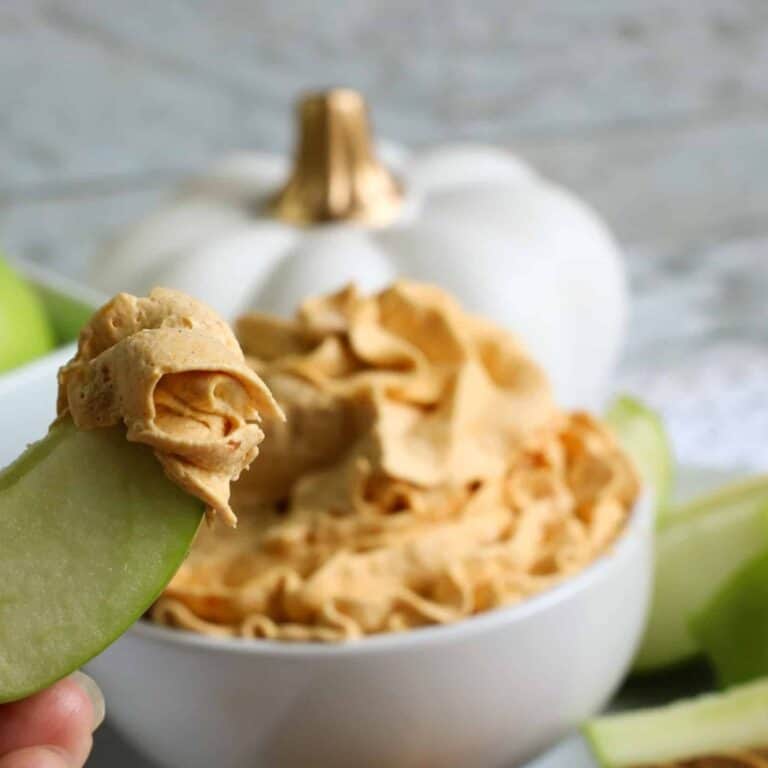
<point>486,692</point>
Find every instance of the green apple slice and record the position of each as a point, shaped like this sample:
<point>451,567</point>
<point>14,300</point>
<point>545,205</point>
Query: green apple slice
<point>641,433</point>
<point>24,329</point>
<point>697,550</point>
<point>91,531</point>
<point>732,629</point>
<point>699,727</point>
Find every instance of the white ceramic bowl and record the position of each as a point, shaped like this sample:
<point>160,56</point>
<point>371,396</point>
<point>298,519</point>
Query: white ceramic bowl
<point>486,692</point>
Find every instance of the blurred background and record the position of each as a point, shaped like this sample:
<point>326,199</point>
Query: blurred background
<point>654,111</point>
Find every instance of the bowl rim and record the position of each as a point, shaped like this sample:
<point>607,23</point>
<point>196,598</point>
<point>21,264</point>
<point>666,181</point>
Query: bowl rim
<point>638,525</point>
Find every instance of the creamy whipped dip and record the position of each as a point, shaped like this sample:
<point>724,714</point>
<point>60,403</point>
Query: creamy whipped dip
<point>424,474</point>
<point>173,372</point>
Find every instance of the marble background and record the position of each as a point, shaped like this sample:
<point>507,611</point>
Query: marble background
<point>656,111</point>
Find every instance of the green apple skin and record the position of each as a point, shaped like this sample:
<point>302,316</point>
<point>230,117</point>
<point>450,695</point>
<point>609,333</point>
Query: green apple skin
<point>641,433</point>
<point>698,549</point>
<point>732,628</point>
<point>25,332</point>
<point>91,531</point>
<point>705,725</point>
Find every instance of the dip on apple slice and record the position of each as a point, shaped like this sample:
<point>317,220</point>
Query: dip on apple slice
<point>158,413</point>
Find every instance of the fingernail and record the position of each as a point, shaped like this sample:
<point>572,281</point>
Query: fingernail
<point>88,684</point>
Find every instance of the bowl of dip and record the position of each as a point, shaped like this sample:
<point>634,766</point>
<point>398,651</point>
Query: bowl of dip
<point>434,564</point>
<point>492,690</point>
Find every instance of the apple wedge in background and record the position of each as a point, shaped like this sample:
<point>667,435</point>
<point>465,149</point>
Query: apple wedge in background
<point>732,628</point>
<point>698,548</point>
<point>710,728</point>
<point>91,531</point>
<point>25,332</point>
<point>700,544</point>
<point>641,433</point>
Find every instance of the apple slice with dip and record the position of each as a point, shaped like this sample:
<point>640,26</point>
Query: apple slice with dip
<point>158,412</point>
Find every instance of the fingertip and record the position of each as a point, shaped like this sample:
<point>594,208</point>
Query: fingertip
<point>37,757</point>
<point>70,706</point>
<point>95,696</point>
<point>61,716</point>
<point>72,718</point>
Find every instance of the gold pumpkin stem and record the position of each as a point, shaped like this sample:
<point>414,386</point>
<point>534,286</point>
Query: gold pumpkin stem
<point>336,175</point>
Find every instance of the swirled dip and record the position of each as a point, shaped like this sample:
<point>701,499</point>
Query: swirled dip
<point>424,474</point>
<point>172,371</point>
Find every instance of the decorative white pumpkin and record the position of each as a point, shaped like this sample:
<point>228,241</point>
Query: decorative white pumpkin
<point>474,219</point>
